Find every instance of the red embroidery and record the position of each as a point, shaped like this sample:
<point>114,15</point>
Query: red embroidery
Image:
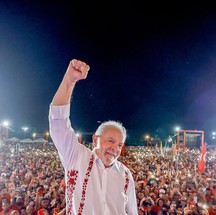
<point>126,181</point>
<point>85,183</point>
<point>71,183</point>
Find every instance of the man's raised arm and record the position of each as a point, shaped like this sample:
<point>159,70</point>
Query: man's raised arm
<point>76,71</point>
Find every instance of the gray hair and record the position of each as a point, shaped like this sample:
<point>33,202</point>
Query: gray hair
<point>111,123</point>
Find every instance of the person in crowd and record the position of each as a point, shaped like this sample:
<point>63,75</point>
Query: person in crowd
<point>15,212</point>
<point>6,208</point>
<point>42,211</point>
<point>160,203</point>
<point>23,211</point>
<point>97,183</point>
<point>4,193</point>
<point>30,210</point>
<point>44,203</point>
<point>17,203</point>
<point>212,207</point>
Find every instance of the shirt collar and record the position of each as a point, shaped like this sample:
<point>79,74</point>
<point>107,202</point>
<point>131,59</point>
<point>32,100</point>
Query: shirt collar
<point>116,164</point>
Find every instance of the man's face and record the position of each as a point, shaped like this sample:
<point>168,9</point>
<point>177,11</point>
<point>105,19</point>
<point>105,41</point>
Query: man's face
<point>6,206</point>
<point>214,206</point>
<point>4,192</point>
<point>29,209</point>
<point>108,145</point>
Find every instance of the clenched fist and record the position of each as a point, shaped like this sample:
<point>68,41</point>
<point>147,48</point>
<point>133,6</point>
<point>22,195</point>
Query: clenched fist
<point>77,70</point>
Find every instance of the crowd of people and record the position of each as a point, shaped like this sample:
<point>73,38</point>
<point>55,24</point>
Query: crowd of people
<point>169,182</point>
<point>32,180</point>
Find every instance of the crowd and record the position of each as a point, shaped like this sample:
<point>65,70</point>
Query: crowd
<point>167,182</point>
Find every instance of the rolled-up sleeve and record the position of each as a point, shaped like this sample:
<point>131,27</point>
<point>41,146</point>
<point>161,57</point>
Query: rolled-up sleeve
<point>61,132</point>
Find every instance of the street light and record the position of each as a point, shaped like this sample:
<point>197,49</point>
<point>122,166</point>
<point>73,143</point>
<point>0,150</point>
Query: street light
<point>47,135</point>
<point>213,135</point>
<point>147,138</point>
<point>177,128</point>
<point>6,124</point>
<point>25,130</point>
<point>34,135</point>
<point>170,139</point>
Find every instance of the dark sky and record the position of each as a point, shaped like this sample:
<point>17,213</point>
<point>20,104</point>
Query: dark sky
<point>152,66</point>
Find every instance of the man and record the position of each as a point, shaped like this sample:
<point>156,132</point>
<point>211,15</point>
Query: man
<point>6,208</point>
<point>212,207</point>
<point>96,182</point>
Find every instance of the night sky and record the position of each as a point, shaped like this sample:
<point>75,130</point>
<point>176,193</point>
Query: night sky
<point>152,66</point>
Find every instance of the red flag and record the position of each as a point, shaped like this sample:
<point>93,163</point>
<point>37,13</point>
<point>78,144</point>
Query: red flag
<point>201,161</point>
<point>145,182</point>
<point>123,150</point>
